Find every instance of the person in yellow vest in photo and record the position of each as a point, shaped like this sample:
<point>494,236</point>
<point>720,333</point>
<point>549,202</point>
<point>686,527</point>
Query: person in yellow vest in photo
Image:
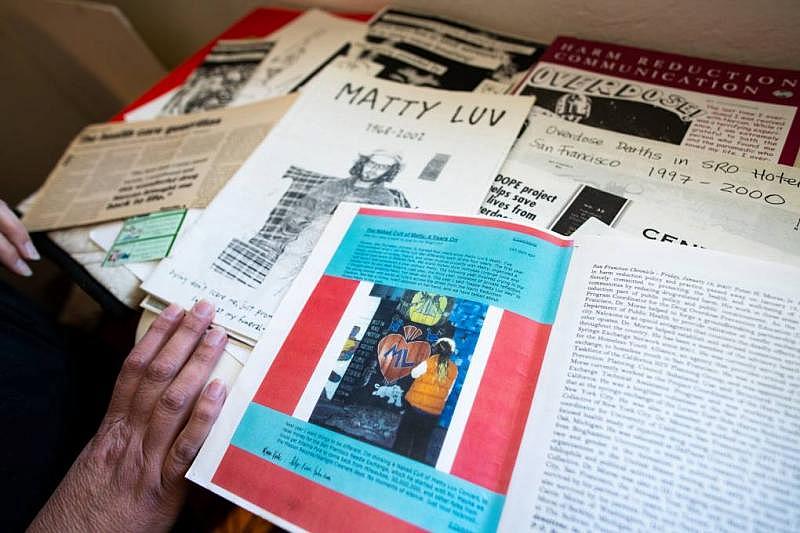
<point>425,400</point>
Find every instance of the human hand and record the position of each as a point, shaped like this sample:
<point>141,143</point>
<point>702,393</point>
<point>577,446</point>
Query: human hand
<point>15,243</point>
<point>130,477</point>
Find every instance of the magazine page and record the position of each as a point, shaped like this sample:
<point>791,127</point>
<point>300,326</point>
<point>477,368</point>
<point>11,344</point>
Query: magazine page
<point>301,48</point>
<point>430,51</point>
<point>558,174</point>
<point>393,384</point>
<point>218,79</point>
<point>117,170</point>
<point>718,107</point>
<point>348,138</point>
<point>667,399</point>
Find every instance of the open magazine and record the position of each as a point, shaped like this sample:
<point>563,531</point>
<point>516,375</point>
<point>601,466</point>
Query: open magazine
<point>467,373</point>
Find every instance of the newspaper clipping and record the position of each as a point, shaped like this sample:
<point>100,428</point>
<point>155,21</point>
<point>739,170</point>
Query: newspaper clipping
<point>117,170</point>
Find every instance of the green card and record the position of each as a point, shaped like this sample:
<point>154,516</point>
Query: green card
<point>145,238</point>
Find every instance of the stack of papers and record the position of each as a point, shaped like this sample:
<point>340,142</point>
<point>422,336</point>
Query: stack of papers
<point>486,283</point>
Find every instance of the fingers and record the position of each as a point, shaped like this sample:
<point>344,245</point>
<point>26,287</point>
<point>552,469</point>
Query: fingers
<point>173,407</point>
<point>169,360</point>
<point>15,243</point>
<point>10,258</point>
<point>137,362</point>
<point>186,446</point>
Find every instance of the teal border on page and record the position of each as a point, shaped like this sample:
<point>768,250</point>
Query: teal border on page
<point>541,284</point>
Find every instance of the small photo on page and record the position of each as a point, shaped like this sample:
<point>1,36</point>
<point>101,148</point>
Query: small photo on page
<point>218,79</point>
<point>400,372</point>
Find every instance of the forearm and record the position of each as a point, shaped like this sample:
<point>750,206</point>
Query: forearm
<point>131,476</point>
<point>60,514</point>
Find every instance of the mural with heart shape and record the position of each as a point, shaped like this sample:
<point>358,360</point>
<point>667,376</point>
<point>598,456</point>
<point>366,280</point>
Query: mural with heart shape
<point>398,354</point>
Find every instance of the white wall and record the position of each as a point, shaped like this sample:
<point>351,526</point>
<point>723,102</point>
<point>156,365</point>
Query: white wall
<point>65,64</point>
<point>761,32</point>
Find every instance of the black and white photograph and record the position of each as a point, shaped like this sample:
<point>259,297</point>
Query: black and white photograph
<point>217,80</point>
<point>623,116</point>
<point>431,51</point>
<point>588,202</point>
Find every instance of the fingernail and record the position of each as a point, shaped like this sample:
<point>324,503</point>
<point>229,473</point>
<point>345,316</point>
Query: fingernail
<point>215,336</point>
<point>215,390</point>
<point>203,309</point>
<point>172,312</point>
<point>31,251</point>
<point>23,269</point>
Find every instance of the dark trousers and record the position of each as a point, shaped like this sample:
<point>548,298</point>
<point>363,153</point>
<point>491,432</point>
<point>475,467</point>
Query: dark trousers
<point>54,386</point>
<point>35,399</point>
<point>414,434</point>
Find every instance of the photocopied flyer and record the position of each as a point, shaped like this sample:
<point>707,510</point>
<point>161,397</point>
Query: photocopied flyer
<point>558,174</point>
<point>421,338</point>
<point>351,138</point>
<point>724,108</point>
<point>566,146</point>
<point>301,48</point>
<point>117,170</point>
<point>430,51</point>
